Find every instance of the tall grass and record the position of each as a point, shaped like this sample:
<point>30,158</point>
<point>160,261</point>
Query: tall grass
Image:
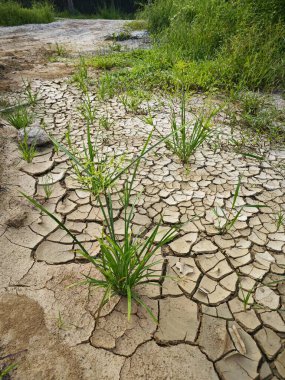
<point>223,43</point>
<point>13,13</point>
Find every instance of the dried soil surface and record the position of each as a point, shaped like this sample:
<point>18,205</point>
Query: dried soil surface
<point>204,332</point>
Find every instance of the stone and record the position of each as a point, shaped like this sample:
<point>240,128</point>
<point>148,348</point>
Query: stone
<point>178,320</point>
<point>214,339</point>
<point>269,342</point>
<point>36,135</point>
<point>183,362</point>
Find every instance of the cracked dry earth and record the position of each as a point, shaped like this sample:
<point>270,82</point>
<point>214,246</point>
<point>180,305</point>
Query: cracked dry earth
<point>204,332</point>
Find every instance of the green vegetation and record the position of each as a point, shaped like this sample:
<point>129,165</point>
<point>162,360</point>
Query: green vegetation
<point>20,118</point>
<point>227,219</point>
<point>210,43</point>
<point>31,95</point>
<point>6,371</point>
<point>123,263</point>
<point>28,151</point>
<point>12,13</point>
<point>185,140</point>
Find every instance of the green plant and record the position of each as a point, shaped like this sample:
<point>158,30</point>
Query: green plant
<point>31,95</point>
<point>227,220</point>
<point>280,219</point>
<point>80,77</point>
<point>123,263</point>
<point>13,13</point>
<point>104,122</point>
<point>28,152</point>
<point>105,87</point>
<point>4,372</point>
<point>136,25</point>
<point>48,187</point>
<point>20,118</point>
<point>60,50</point>
<point>87,110</point>
<point>185,141</point>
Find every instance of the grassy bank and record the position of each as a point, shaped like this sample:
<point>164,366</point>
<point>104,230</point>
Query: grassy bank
<point>12,13</point>
<point>207,44</point>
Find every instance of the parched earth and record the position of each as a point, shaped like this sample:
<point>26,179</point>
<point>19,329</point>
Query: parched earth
<point>49,329</point>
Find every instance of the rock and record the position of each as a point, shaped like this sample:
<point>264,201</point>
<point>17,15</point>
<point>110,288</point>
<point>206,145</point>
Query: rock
<point>178,320</point>
<point>179,362</point>
<point>269,342</point>
<point>36,135</point>
<point>214,339</point>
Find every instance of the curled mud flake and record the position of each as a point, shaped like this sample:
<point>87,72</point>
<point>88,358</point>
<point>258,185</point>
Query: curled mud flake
<point>184,269</point>
<point>238,342</point>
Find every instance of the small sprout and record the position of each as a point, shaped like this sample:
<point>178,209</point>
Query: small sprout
<point>20,118</point>
<point>105,123</point>
<point>6,371</point>
<point>47,186</point>
<point>28,151</point>
<point>227,220</point>
<point>280,219</point>
<point>31,95</point>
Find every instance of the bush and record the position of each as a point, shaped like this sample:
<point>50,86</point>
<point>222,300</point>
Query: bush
<point>12,13</point>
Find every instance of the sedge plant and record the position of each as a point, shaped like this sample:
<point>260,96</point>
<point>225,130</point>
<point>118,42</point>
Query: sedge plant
<point>31,95</point>
<point>184,140</point>
<point>20,118</point>
<point>126,263</point>
<point>28,151</point>
<point>227,219</point>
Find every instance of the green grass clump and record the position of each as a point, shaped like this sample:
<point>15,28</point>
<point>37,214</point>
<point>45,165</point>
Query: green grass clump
<point>185,140</point>
<point>20,118</point>
<point>13,13</point>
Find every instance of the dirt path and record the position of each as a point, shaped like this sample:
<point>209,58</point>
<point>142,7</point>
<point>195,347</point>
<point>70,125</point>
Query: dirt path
<point>24,50</point>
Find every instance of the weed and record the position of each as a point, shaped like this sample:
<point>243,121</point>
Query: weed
<point>20,118</point>
<point>184,142</point>
<point>87,110</point>
<point>48,187</point>
<point>80,77</point>
<point>227,220</point>
<point>105,87</point>
<point>124,264</point>
<point>280,219</point>
<point>31,95</point>
<point>136,25</point>
<point>5,372</point>
<point>105,122</point>
<point>28,152</point>
<point>60,50</point>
